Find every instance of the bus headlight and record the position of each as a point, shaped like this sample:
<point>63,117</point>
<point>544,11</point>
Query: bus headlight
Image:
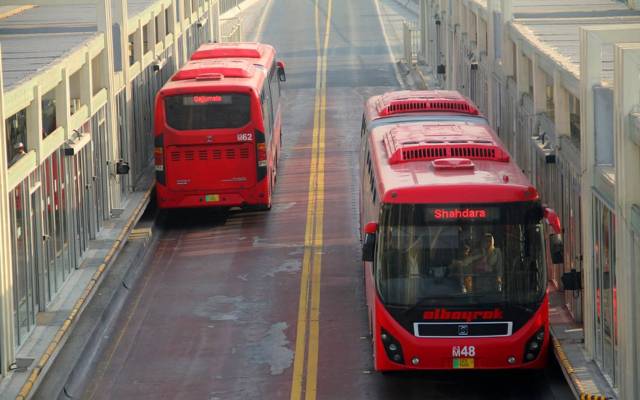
<point>392,347</point>
<point>533,346</point>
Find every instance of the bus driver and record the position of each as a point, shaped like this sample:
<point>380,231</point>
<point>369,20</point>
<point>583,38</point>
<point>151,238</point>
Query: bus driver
<point>488,260</point>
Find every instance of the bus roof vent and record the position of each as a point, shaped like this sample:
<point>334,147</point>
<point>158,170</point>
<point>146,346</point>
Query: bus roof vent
<point>452,164</point>
<point>425,101</point>
<point>229,50</point>
<point>214,70</point>
<point>405,148</point>
<point>213,76</point>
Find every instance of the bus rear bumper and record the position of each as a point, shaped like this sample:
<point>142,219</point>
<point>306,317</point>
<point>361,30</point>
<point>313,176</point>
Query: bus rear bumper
<point>169,199</point>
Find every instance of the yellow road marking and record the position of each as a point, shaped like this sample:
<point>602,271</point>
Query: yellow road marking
<point>309,303</point>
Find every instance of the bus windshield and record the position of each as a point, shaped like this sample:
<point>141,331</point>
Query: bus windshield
<point>207,111</point>
<point>462,254</point>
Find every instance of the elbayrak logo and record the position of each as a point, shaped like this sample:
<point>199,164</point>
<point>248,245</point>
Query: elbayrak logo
<point>442,314</point>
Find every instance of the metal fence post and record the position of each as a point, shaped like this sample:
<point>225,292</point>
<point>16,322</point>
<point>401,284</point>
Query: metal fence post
<point>422,54</point>
<point>214,15</point>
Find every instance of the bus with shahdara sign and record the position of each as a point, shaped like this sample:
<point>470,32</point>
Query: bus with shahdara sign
<point>455,239</point>
<point>218,128</point>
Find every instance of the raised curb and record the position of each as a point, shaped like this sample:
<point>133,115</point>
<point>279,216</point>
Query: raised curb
<point>54,346</point>
<point>578,387</point>
<point>76,359</point>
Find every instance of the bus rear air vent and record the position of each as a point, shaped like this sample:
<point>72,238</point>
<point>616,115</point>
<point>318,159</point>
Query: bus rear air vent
<point>214,70</point>
<point>425,101</point>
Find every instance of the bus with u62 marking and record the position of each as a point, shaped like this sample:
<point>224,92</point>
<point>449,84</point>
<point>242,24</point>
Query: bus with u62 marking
<point>218,128</point>
<point>455,239</point>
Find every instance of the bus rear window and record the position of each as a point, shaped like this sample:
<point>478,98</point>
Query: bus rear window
<point>208,111</point>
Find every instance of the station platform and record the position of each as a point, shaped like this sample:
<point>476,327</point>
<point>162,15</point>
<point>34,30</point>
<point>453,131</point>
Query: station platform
<point>583,375</point>
<point>36,357</point>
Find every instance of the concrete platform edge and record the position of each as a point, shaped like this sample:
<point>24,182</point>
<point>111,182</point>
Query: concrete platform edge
<point>88,340</point>
<point>567,366</point>
<point>37,373</point>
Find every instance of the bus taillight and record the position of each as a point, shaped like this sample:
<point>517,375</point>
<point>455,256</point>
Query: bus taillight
<point>158,155</point>
<point>262,155</point>
<point>158,158</point>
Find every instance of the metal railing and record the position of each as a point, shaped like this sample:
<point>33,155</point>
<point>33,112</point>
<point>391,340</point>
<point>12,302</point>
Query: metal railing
<point>226,5</point>
<point>411,42</point>
<point>524,131</point>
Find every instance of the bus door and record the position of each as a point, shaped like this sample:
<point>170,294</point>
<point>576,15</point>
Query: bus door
<point>212,144</point>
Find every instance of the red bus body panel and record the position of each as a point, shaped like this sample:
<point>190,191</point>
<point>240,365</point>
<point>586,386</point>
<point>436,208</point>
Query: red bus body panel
<point>204,168</point>
<point>436,353</point>
<point>421,182</point>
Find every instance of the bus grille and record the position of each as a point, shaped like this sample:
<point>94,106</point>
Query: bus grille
<point>462,329</point>
<point>215,154</point>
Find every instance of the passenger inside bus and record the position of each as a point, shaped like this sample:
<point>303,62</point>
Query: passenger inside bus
<point>493,260</point>
<point>483,266</point>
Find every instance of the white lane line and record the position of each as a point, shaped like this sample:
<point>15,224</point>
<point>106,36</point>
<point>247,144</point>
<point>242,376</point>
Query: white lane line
<point>266,11</point>
<point>390,51</point>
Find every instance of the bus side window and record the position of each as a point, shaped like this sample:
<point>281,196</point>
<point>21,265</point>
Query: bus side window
<point>372,180</point>
<point>267,115</point>
<point>274,85</point>
<point>269,106</point>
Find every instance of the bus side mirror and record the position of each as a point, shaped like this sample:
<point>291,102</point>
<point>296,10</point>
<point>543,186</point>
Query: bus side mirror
<point>281,75</point>
<point>556,246</point>
<point>572,280</point>
<point>369,244</point>
<point>553,220</point>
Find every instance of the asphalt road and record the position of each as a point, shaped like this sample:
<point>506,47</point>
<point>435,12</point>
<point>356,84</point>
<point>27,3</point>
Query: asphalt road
<point>217,313</point>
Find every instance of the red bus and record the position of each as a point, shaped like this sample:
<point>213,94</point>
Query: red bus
<point>218,128</point>
<point>454,242</point>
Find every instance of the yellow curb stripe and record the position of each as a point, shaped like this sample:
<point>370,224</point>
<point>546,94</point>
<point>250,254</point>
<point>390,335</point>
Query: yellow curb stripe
<point>566,365</point>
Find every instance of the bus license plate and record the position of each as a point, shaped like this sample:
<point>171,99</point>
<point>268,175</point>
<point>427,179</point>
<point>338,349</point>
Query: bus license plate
<point>210,198</point>
<point>463,363</point>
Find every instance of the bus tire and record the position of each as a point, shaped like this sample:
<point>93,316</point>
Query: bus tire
<point>267,207</point>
